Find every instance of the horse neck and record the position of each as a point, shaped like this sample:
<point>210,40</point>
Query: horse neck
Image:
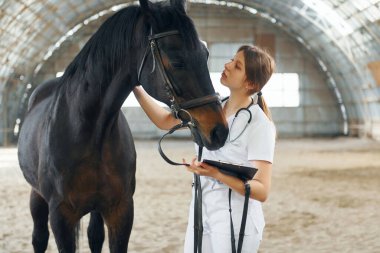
<point>95,108</point>
<point>120,86</point>
<point>124,79</point>
<point>93,95</point>
<point>98,106</point>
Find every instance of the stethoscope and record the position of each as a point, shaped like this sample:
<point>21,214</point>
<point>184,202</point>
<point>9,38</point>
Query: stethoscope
<point>244,109</point>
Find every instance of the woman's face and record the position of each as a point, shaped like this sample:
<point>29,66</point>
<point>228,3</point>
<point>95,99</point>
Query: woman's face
<point>234,76</point>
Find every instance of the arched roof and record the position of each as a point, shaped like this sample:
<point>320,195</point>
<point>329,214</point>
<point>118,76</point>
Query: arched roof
<point>344,36</point>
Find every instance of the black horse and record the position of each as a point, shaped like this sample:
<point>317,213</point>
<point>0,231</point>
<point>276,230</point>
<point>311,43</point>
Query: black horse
<point>75,146</point>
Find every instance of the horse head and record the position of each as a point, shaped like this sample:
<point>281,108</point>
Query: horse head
<point>174,70</point>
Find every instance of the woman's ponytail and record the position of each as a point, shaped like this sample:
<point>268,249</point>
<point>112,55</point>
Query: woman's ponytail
<point>263,105</point>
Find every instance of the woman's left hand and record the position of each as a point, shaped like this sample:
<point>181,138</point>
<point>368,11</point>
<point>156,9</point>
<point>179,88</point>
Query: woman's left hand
<point>202,169</point>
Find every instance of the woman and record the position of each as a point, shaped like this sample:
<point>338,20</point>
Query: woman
<point>250,143</point>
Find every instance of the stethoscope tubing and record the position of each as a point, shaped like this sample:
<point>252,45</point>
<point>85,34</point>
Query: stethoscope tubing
<point>237,114</point>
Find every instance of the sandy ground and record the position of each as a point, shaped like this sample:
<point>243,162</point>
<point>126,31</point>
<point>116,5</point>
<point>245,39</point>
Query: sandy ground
<point>325,198</point>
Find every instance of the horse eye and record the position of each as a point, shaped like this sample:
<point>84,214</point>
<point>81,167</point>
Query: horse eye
<point>177,64</point>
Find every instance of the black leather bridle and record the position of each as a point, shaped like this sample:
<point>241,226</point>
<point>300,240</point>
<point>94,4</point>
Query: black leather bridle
<point>176,108</point>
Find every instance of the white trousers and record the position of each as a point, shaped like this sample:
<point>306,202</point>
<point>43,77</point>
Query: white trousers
<point>216,220</point>
<point>214,242</point>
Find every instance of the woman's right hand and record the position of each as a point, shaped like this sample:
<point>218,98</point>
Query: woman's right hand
<point>161,117</point>
<point>202,169</point>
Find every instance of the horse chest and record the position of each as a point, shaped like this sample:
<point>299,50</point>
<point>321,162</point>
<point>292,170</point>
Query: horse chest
<point>94,187</point>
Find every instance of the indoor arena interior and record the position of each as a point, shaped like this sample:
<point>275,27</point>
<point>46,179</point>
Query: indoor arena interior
<point>324,98</point>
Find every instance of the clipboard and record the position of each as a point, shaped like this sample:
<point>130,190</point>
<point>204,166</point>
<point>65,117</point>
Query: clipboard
<point>244,173</point>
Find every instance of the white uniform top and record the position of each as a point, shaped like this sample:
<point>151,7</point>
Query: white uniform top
<point>257,142</point>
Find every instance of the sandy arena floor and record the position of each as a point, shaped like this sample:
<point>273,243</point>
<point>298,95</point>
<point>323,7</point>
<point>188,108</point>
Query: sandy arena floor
<point>325,198</point>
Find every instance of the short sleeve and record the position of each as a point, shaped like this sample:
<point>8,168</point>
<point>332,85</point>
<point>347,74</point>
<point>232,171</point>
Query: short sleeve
<point>261,142</point>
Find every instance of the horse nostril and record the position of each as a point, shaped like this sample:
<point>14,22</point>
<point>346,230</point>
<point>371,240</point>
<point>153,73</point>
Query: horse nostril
<point>219,134</point>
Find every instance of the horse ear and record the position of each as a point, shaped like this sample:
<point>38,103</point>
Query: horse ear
<point>144,4</point>
<point>179,4</point>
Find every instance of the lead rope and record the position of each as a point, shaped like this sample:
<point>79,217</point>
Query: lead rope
<point>247,188</point>
<point>175,128</point>
<point>198,224</point>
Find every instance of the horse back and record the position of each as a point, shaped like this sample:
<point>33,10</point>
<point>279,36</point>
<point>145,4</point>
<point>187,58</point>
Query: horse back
<point>42,91</point>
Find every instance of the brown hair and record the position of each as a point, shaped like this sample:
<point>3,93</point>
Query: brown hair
<point>259,67</point>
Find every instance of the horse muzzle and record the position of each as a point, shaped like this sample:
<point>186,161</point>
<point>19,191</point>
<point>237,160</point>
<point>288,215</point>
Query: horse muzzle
<point>214,141</point>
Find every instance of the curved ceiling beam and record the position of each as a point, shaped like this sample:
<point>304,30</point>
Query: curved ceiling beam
<point>25,45</point>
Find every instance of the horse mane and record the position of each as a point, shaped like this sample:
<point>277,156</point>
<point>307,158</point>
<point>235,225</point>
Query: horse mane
<point>109,48</point>
<point>106,50</point>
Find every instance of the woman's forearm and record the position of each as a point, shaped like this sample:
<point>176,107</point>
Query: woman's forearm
<point>258,190</point>
<point>162,118</point>
<point>260,184</point>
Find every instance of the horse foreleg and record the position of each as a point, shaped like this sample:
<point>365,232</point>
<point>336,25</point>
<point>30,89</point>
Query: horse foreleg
<point>63,222</point>
<point>40,213</point>
<point>119,222</point>
<point>95,232</point>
